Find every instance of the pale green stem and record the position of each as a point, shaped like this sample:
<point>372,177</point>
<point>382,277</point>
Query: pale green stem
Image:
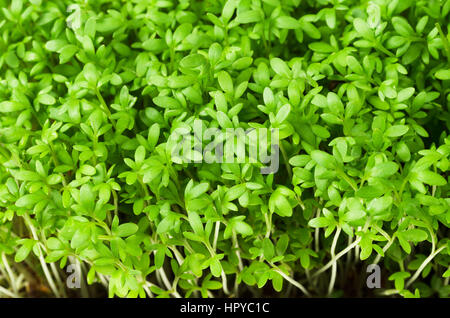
<point>12,280</point>
<point>423,265</point>
<point>334,268</point>
<point>338,256</point>
<point>47,274</point>
<point>293,282</point>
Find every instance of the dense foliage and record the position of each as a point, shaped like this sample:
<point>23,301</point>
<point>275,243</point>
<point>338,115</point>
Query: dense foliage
<point>91,90</point>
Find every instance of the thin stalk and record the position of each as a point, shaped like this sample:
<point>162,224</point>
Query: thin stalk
<point>238,253</point>
<point>349,255</point>
<point>338,256</point>
<point>58,279</point>
<point>316,234</point>
<point>286,160</point>
<point>423,265</point>
<point>268,225</point>
<point>167,283</point>
<point>293,282</point>
<point>84,290</point>
<point>334,268</point>
<point>47,274</point>
<point>222,274</point>
<point>147,290</point>
<point>12,280</point>
<point>161,275</point>
<point>8,293</point>
<point>216,234</point>
<point>389,292</point>
<point>116,202</point>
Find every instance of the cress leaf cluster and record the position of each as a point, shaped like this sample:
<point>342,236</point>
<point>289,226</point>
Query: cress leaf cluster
<point>91,90</point>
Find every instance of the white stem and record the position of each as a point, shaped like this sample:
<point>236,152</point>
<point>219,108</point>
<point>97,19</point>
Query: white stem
<point>103,279</point>
<point>8,293</point>
<point>58,278</point>
<point>293,282</point>
<point>84,291</point>
<point>224,283</point>
<point>12,280</point>
<point>422,266</point>
<point>338,256</point>
<point>349,255</point>
<point>216,234</point>
<point>389,292</point>
<point>238,251</point>
<point>334,269</point>
<point>316,234</point>
<point>167,283</point>
<point>20,280</point>
<point>147,290</point>
<point>47,274</point>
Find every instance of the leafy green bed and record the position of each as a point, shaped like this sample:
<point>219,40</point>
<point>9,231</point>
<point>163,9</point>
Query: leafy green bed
<point>91,90</point>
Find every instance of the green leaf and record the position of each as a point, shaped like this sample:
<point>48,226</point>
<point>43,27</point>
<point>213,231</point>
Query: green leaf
<point>81,237</point>
<point>280,67</point>
<point>323,159</point>
<point>87,170</point>
<point>225,82</point>
<point>334,103</point>
<point>405,94</point>
<point>166,102</point>
<point>287,22</point>
<point>250,16</point>
<point>415,235</point>
<point>431,178</point>
<point>279,204</point>
<point>139,155</point>
<point>243,228</point>
<point>379,205</point>
<point>126,229</point>
<point>192,61</point>
<point>396,131</point>
<point>283,113</point>
<point>319,222</point>
<point>443,74</point>
<point>223,120</point>
<point>195,222</point>
<point>23,252</point>
<point>321,47</point>
<point>319,101</point>
<point>216,268</point>
<point>90,74</point>
<point>235,192</point>
<point>402,26</point>
<point>28,200</point>
<point>268,249</point>
<point>282,244</point>
<point>363,29</point>
<point>354,215</point>
<point>26,175</point>
<point>384,170</point>
<point>10,106</point>
<point>86,196</point>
